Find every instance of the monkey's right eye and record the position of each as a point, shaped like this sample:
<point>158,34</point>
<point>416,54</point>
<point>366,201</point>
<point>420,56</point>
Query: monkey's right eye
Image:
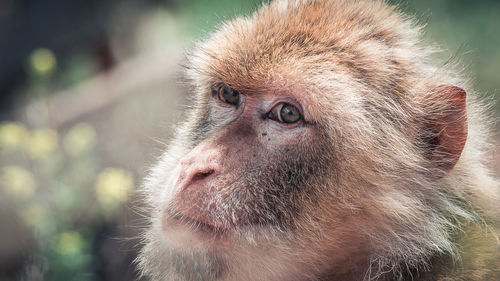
<point>228,95</point>
<point>285,113</point>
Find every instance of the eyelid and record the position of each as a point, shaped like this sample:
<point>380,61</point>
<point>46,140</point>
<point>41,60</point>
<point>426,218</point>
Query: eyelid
<point>276,111</point>
<point>287,101</point>
<point>291,101</point>
<point>214,89</point>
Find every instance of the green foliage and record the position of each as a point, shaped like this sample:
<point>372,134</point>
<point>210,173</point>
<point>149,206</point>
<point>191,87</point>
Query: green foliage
<point>469,30</point>
<point>59,191</point>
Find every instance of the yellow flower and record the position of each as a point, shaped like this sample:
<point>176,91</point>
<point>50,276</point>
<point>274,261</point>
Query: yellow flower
<point>43,61</point>
<point>69,243</point>
<point>113,187</point>
<point>81,138</point>
<point>17,181</point>
<point>42,143</point>
<point>12,135</point>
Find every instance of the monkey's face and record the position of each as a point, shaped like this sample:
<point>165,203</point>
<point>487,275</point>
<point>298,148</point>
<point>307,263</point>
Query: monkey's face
<point>254,161</point>
<point>252,172</point>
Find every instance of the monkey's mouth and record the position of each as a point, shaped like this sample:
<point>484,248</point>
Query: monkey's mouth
<point>174,216</point>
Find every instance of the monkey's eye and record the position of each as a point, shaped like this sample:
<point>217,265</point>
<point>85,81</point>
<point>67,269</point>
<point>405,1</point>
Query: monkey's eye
<point>228,95</point>
<point>285,113</point>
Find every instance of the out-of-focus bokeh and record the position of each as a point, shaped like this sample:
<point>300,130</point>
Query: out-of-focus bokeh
<point>89,93</point>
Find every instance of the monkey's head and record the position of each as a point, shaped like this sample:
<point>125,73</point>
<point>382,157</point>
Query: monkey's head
<point>320,144</point>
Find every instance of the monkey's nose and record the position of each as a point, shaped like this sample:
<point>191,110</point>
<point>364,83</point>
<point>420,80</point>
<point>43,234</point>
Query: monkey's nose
<point>201,163</point>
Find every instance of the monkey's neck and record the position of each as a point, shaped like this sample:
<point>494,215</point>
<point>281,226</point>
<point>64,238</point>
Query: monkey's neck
<point>479,259</point>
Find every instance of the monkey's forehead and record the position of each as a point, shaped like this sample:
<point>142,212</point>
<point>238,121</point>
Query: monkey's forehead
<point>313,46</point>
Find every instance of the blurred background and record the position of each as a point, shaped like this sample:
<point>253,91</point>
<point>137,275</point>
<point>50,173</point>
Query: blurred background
<point>89,93</point>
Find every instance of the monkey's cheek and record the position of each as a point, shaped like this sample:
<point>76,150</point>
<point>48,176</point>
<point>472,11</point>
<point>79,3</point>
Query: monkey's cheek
<point>167,188</point>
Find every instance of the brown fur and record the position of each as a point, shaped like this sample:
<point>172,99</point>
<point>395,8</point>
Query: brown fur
<point>389,206</point>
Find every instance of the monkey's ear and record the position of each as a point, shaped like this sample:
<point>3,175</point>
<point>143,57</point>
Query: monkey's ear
<point>447,126</point>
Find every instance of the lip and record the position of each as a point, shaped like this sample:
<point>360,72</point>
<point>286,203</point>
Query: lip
<point>173,216</point>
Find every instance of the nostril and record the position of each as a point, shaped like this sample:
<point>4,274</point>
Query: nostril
<point>202,175</point>
<point>194,176</point>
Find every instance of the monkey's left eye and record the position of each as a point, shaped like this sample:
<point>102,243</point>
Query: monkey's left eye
<point>228,95</point>
<point>285,113</point>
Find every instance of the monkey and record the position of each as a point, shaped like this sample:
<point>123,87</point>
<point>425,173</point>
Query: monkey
<point>323,142</point>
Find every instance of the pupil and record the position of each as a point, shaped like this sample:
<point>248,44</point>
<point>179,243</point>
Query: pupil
<point>289,114</point>
<point>231,96</point>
